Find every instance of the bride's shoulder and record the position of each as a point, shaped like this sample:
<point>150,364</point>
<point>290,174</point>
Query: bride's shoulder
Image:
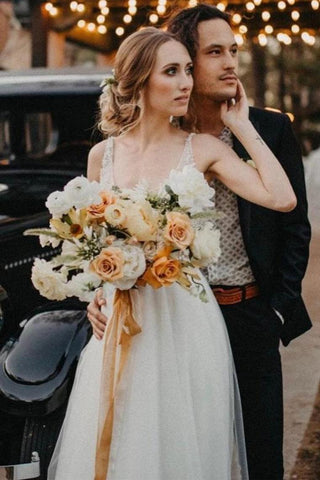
<point>95,160</point>
<point>204,144</point>
<point>98,149</point>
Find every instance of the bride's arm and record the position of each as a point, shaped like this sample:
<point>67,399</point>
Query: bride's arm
<point>267,184</point>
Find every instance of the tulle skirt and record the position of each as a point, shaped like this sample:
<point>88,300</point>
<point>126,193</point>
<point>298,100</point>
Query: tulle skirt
<point>177,408</point>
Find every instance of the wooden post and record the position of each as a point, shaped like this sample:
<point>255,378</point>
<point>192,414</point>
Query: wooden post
<point>6,10</point>
<point>39,33</point>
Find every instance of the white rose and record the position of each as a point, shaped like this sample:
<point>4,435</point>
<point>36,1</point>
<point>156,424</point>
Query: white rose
<point>51,284</point>
<point>206,245</point>
<point>192,189</point>
<point>83,286</point>
<point>82,193</point>
<point>58,204</point>
<point>134,266</point>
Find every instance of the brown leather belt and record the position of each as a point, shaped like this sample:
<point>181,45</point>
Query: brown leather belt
<point>231,295</point>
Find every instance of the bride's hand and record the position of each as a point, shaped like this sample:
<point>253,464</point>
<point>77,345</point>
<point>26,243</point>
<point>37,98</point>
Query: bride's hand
<point>236,110</point>
<point>97,319</point>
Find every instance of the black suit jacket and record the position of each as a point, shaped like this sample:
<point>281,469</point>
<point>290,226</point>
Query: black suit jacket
<point>278,243</point>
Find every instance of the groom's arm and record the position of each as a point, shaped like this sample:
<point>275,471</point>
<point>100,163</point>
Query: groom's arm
<point>294,228</point>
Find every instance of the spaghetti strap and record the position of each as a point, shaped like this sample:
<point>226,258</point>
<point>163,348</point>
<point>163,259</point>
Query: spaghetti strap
<point>106,172</point>
<point>187,154</point>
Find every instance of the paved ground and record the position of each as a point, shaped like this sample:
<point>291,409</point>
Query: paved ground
<point>301,359</point>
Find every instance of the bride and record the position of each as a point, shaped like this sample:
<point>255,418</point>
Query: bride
<point>176,409</point>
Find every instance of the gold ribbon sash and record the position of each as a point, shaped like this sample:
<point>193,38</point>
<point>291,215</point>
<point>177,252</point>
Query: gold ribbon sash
<point>120,329</point>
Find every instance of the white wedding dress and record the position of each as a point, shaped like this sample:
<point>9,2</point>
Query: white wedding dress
<point>177,409</point>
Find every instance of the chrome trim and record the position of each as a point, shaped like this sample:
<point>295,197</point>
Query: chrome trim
<point>22,471</point>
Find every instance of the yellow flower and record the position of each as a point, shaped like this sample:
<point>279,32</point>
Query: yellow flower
<point>141,221</point>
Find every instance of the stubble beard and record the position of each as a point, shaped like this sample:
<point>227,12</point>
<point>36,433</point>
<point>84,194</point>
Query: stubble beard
<point>214,95</point>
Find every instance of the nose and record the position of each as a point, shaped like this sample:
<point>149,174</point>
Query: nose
<point>186,82</point>
<point>230,61</point>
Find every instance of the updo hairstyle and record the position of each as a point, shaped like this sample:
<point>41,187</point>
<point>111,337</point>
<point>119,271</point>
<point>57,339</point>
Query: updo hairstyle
<point>120,102</point>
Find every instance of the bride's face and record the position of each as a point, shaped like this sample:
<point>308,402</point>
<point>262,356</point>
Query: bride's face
<point>170,83</point>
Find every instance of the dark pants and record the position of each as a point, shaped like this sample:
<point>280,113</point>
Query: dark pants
<point>253,329</point>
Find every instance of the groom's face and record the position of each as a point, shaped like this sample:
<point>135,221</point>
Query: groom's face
<point>216,62</point>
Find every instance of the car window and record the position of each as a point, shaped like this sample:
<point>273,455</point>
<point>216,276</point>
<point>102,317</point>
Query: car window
<point>41,137</point>
<point>4,137</point>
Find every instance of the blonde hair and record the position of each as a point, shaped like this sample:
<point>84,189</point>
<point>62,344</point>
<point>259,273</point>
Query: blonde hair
<point>120,107</point>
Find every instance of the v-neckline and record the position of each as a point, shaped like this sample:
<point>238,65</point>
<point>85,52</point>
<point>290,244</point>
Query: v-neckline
<point>144,180</point>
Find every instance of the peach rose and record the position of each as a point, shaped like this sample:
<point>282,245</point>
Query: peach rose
<point>96,211</point>
<point>108,265</point>
<point>179,230</point>
<point>163,272</point>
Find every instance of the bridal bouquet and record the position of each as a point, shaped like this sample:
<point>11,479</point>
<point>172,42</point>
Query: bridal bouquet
<point>127,237</point>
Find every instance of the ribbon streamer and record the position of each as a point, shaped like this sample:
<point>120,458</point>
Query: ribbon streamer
<point>121,328</point>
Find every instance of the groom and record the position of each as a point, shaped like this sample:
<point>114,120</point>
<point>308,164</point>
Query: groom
<point>257,281</point>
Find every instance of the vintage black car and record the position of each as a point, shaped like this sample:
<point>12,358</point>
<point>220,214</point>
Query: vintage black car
<point>47,122</point>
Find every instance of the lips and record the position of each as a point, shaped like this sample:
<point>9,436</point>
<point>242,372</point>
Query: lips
<point>183,98</point>
<point>229,78</point>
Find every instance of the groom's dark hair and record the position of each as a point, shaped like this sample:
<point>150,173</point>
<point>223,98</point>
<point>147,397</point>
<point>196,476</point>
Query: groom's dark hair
<point>184,24</point>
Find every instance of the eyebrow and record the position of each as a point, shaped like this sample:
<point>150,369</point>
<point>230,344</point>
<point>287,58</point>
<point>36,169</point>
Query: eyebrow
<point>217,45</point>
<point>175,64</point>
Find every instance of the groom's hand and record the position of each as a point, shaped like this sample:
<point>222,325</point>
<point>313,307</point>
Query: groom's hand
<point>235,110</point>
<point>97,319</point>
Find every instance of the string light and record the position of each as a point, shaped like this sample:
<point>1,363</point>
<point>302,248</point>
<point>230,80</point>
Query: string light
<point>97,18</point>
<point>81,7</point>
<point>120,31</point>
<point>282,5</point>
<point>132,10</point>
<point>243,29</point>
<point>153,18</point>
<point>101,18</point>
<point>268,29</point>
<point>308,39</point>
<point>102,29</point>
<point>250,6</point>
<point>221,6</point>
<point>262,39</point>
<point>73,6</point>
<point>236,18</point>
<point>265,16</point>
<point>161,9</point>
<point>127,18</point>
<point>284,38</point>
<point>239,39</point>
<point>295,28</point>
<point>91,27</point>
<point>53,11</point>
